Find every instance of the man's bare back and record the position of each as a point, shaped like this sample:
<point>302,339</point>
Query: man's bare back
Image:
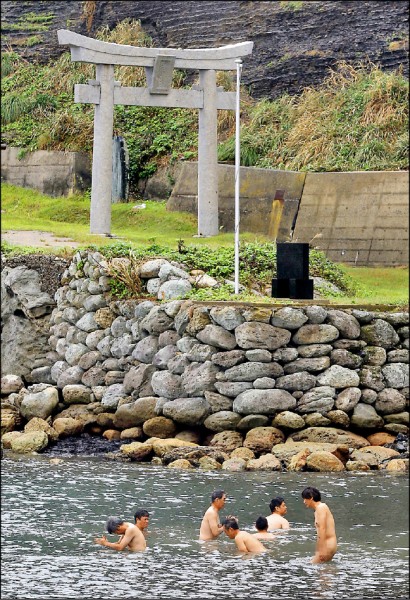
<point>277,522</point>
<point>264,535</point>
<point>247,542</point>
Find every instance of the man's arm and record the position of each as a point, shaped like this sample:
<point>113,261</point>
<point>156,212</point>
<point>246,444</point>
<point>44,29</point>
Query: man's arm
<point>285,524</point>
<point>120,545</point>
<point>241,544</point>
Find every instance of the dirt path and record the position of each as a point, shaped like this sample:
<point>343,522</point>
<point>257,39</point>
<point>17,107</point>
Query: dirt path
<point>37,239</point>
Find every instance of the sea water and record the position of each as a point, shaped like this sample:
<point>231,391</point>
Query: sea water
<point>51,514</point>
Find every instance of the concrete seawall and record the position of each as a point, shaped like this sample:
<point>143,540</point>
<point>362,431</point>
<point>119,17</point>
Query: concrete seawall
<point>356,218</point>
<point>52,173</point>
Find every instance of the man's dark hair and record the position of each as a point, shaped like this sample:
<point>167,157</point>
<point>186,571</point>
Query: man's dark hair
<point>140,513</point>
<point>311,493</point>
<point>261,523</point>
<point>275,502</point>
<point>217,494</point>
<point>230,523</point>
<point>113,523</point>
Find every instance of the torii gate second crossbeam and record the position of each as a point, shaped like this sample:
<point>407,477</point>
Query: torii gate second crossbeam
<point>104,92</point>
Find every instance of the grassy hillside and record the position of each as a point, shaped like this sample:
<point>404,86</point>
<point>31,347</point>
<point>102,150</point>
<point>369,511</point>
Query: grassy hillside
<point>356,120</point>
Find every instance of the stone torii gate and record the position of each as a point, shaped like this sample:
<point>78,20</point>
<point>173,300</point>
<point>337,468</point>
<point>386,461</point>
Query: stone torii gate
<point>104,92</point>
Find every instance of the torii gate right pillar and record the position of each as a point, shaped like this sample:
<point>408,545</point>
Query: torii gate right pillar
<point>208,157</point>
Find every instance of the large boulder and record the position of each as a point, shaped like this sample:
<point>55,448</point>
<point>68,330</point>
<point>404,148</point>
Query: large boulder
<point>11,384</point>
<point>32,441</point>
<point>267,462</point>
<point>365,417</point>
<point>227,440</point>
<point>254,334</point>
<point>261,439</point>
<point>330,435</point>
<point>324,461</point>
<point>67,426</point>
<point>40,404</point>
<point>131,414</point>
<point>380,333</point>
<point>217,336</point>
<point>263,402</point>
<point>285,452</point>
<point>37,424</point>
<point>222,420</point>
<point>188,411</point>
<point>199,377</point>
<point>159,427</point>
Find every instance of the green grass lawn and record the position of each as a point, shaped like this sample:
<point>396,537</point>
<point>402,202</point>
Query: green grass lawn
<point>26,209</point>
<point>380,285</point>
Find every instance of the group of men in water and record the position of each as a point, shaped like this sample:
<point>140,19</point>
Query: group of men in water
<point>133,535</point>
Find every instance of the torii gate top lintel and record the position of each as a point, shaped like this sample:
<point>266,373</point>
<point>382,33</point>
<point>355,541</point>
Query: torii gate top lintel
<point>86,49</point>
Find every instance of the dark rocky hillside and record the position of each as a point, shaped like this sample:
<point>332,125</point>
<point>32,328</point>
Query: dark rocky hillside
<point>295,42</point>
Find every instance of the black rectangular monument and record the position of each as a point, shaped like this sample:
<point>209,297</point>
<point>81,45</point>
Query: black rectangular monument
<point>292,270</point>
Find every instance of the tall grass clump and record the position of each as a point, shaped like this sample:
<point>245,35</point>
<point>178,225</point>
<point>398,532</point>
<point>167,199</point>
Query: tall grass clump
<point>357,120</point>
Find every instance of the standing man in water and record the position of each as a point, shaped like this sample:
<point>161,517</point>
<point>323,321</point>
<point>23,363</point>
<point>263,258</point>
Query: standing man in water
<point>245,541</point>
<point>211,527</point>
<point>131,536</point>
<point>276,520</point>
<point>326,544</point>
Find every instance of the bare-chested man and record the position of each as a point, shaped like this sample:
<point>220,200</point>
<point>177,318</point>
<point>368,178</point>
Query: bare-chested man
<point>211,526</point>
<point>262,532</point>
<point>326,544</point>
<point>132,536</point>
<point>276,519</point>
<point>245,542</point>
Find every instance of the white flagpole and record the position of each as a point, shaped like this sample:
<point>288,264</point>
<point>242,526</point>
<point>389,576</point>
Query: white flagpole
<point>237,171</point>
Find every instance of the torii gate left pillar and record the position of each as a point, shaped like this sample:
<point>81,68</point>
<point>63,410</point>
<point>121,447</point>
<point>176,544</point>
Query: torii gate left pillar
<point>104,92</point>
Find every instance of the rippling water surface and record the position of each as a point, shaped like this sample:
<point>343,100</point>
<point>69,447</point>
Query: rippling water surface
<point>52,512</point>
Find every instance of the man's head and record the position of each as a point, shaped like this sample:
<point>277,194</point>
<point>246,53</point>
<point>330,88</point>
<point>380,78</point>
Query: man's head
<point>277,506</point>
<point>310,496</point>
<point>218,499</point>
<point>261,524</point>
<point>231,526</point>
<point>113,523</point>
<point>141,517</point>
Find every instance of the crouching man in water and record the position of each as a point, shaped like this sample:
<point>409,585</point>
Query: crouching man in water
<point>326,544</point>
<point>245,542</point>
<point>132,536</point>
<point>262,532</point>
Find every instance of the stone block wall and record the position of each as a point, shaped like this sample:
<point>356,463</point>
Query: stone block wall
<point>224,367</point>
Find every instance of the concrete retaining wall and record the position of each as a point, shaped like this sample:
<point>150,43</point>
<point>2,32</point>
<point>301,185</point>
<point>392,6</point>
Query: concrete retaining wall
<point>52,173</point>
<point>362,217</point>
<point>358,218</point>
